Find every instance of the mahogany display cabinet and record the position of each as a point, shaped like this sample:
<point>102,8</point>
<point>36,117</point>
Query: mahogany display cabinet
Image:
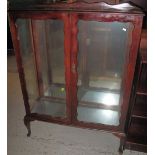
<point>76,61</point>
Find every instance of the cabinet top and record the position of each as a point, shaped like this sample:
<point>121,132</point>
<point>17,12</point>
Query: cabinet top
<point>73,5</point>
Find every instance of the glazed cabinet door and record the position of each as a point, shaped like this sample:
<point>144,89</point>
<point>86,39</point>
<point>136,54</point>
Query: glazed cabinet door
<point>100,73</point>
<point>44,52</point>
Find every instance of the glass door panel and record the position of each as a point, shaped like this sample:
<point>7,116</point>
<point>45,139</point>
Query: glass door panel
<point>46,39</point>
<point>103,48</point>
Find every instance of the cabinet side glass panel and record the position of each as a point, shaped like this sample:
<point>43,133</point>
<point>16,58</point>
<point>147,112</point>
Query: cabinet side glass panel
<point>103,49</point>
<point>26,49</point>
<point>48,41</point>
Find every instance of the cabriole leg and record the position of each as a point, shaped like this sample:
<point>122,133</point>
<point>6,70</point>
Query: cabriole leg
<point>121,147</point>
<point>27,124</point>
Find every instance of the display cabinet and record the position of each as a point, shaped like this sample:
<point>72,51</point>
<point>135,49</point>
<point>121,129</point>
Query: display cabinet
<point>76,61</point>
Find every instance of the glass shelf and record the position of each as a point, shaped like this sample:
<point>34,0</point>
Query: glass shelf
<point>96,115</point>
<point>52,107</point>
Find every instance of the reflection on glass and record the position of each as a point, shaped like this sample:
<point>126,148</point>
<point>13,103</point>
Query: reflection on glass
<point>97,115</point>
<point>45,38</point>
<point>103,47</point>
<point>101,97</point>
<point>50,48</point>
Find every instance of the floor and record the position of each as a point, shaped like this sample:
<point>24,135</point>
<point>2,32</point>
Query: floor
<point>51,139</point>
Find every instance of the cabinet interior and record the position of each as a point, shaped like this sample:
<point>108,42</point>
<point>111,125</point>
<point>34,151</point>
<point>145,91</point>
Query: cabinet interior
<point>102,51</point>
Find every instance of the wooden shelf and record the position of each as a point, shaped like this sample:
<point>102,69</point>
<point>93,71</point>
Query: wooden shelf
<point>142,90</point>
<point>138,131</point>
<point>139,92</point>
<point>142,82</point>
<point>136,146</point>
<point>140,106</point>
<point>137,116</point>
